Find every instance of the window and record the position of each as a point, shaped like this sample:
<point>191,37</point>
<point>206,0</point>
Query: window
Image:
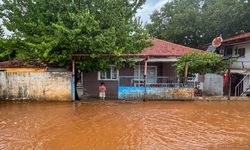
<point>139,72</point>
<point>228,51</point>
<point>240,52</point>
<point>111,74</point>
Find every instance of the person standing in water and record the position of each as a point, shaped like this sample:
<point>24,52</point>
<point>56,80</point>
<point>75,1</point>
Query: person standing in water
<point>102,90</point>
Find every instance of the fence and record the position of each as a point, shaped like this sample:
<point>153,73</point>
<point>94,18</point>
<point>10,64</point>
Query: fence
<point>130,87</point>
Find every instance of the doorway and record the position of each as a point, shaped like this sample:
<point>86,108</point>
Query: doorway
<point>235,80</point>
<point>151,73</point>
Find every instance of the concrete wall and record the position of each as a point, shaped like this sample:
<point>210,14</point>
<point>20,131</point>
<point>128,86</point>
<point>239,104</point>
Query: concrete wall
<point>213,85</point>
<point>54,86</point>
<point>169,70</point>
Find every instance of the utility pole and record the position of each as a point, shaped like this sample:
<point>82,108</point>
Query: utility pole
<point>186,73</point>
<point>73,87</point>
<point>145,77</point>
<point>229,79</point>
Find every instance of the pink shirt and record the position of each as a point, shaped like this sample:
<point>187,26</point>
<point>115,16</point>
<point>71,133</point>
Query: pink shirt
<point>102,88</point>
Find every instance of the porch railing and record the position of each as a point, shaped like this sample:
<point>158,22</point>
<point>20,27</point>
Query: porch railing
<point>239,88</point>
<point>161,82</point>
<point>155,88</point>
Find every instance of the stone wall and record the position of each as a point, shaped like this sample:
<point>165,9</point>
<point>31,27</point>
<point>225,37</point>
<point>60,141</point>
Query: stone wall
<point>52,86</point>
<point>213,85</point>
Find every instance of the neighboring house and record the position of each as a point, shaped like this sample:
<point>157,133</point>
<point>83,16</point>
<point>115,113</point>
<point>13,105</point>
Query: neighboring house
<point>128,82</point>
<point>239,47</point>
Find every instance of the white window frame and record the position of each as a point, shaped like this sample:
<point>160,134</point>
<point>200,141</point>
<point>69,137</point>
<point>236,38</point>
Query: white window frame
<point>110,70</point>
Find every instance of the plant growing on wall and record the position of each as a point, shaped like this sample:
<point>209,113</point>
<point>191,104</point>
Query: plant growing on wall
<point>52,30</point>
<point>201,63</point>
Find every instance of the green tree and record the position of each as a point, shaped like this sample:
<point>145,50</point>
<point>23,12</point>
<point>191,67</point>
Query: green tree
<point>52,31</point>
<point>178,21</point>
<point>197,22</point>
<point>201,63</point>
<point>3,52</point>
<point>225,17</point>
<point>1,31</point>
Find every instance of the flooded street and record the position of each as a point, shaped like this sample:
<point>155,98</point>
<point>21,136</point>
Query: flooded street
<point>118,125</point>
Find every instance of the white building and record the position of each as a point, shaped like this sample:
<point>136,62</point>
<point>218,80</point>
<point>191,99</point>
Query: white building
<point>239,47</point>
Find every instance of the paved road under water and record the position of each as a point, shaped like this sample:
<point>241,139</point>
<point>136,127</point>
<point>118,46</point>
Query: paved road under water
<point>117,125</point>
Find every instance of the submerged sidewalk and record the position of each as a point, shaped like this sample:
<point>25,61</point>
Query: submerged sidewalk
<point>220,98</point>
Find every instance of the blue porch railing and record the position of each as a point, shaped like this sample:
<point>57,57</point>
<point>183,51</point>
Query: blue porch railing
<point>130,87</point>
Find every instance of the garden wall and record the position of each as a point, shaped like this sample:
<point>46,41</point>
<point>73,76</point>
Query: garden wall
<point>213,85</point>
<point>52,86</point>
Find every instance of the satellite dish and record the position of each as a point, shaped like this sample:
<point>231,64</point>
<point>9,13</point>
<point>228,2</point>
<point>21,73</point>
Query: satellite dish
<point>217,42</point>
<point>211,48</point>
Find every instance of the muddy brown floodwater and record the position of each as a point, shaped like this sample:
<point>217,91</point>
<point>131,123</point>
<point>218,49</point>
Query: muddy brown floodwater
<point>116,125</point>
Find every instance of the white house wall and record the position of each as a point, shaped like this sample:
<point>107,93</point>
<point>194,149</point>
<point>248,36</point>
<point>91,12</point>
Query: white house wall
<point>245,60</point>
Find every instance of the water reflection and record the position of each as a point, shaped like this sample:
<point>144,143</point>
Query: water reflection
<point>118,125</point>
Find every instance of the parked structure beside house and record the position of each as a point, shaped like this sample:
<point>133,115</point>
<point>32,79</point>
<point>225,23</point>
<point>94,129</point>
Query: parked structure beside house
<point>156,63</point>
<point>33,82</point>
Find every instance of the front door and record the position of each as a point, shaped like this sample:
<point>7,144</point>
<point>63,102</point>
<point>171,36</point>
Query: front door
<point>151,73</point>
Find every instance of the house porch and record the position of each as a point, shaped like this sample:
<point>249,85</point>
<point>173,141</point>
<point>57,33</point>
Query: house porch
<point>160,76</point>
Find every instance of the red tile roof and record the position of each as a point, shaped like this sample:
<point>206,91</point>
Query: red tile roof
<point>241,36</point>
<point>165,48</point>
<point>160,48</point>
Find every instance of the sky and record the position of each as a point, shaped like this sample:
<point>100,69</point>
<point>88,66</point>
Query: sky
<point>144,13</point>
<point>149,7</point>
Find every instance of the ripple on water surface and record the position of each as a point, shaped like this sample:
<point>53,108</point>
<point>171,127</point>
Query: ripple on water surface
<point>116,125</point>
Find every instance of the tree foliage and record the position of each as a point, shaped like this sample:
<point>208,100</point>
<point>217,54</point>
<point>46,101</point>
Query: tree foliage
<point>52,30</point>
<point>1,32</point>
<point>3,52</point>
<point>201,63</point>
<point>197,22</point>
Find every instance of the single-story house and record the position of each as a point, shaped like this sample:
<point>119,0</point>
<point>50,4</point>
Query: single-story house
<point>128,82</point>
